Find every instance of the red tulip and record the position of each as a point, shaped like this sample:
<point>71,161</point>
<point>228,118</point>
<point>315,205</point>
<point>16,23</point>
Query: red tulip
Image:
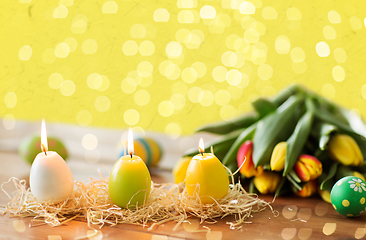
<point>245,160</point>
<point>308,168</point>
<point>308,190</point>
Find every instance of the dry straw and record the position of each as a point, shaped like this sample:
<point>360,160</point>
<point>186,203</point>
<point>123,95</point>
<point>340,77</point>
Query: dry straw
<point>167,202</point>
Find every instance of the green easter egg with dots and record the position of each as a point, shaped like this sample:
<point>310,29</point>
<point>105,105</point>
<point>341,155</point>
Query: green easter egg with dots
<point>30,147</point>
<point>348,196</point>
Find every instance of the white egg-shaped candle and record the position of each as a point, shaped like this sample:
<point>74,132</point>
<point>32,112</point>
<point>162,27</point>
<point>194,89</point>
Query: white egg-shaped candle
<point>50,177</point>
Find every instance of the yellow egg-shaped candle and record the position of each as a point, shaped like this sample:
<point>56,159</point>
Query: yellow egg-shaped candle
<point>130,181</point>
<point>206,177</point>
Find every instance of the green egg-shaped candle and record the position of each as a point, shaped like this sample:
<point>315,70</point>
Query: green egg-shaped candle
<point>29,148</point>
<point>130,181</point>
<point>348,196</point>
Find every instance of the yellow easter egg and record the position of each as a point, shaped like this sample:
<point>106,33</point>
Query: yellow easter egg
<point>180,169</point>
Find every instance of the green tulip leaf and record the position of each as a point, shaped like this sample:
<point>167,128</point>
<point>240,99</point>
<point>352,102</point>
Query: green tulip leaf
<point>263,106</point>
<point>328,117</point>
<point>294,176</point>
<point>280,189</point>
<point>285,93</point>
<point>224,127</point>
<point>274,128</point>
<point>220,143</point>
<point>294,183</point>
<point>297,141</point>
<point>327,180</point>
<point>323,131</point>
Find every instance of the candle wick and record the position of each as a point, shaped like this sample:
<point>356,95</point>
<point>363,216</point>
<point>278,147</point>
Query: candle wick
<point>131,155</point>
<point>44,149</point>
<point>202,154</point>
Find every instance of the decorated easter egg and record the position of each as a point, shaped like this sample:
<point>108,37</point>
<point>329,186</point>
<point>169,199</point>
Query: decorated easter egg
<point>348,196</point>
<point>148,149</point>
<point>30,147</point>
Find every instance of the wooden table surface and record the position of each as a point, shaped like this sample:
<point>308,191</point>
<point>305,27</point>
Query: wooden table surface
<point>297,218</point>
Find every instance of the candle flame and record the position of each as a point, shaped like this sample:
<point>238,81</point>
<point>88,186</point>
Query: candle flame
<point>201,146</point>
<point>130,142</point>
<point>44,144</point>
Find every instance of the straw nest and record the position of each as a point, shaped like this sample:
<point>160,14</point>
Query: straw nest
<point>167,202</point>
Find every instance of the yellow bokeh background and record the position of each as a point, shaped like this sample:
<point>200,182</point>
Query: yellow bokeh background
<point>171,66</point>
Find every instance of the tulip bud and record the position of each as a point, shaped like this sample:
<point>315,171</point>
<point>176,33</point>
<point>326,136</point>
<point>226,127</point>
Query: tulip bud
<point>245,155</point>
<point>325,195</point>
<point>267,182</point>
<point>308,189</point>
<point>359,175</point>
<point>345,150</point>
<point>278,157</point>
<point>308,168</point>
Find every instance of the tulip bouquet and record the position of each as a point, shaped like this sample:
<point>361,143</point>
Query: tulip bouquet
<point>296,141</point>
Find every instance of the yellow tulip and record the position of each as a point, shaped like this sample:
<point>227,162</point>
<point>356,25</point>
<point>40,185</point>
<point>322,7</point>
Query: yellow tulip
<point>325,195</point>
<point>180,169</point>
<point>359,175</point>
<point>278,157</point>
<point>345,150</point>
<point>267,182</point>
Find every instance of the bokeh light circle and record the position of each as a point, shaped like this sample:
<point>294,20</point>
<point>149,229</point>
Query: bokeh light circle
<point>219,73</point>
<point>131,117</point>
<point>89,46</point>
<point>141,97</point>
<point>128,85</point>
<point>206,98</point>
<point>55,80</point>
<point>10,100</point>
<point>173,49</point>
<point>62,50</point>
<point>165,108</point>
<point>89,141</point>
<point>161,15</point>
<point>102,103</point>
<point>83,117</point>
<point>322,49</point>
<point>338,73</point>
<point>94,80</point>
<point>67,88</point>
<point>222,97</point>
<point>173,129</point>
<point>110,7</point>
<point>25,53</point>
<point>146,48</point>
<point>130,48</point>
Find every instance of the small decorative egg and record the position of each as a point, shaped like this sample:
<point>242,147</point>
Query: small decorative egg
<point>180,169</point>
<point>30,147</point>
<point>348,196</point>
<point>148,149</point>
